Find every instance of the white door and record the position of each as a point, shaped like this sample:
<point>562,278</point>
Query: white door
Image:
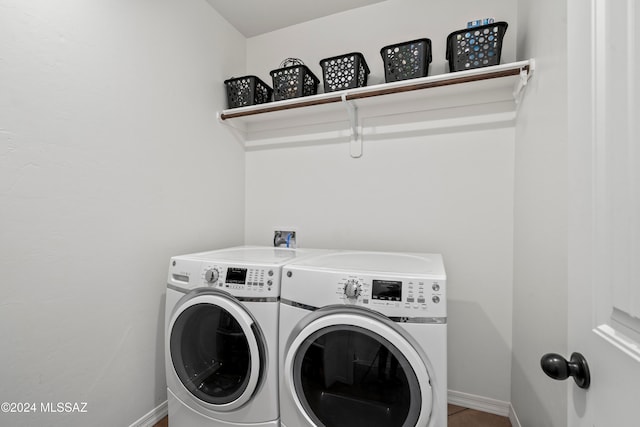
<point>604,209</point>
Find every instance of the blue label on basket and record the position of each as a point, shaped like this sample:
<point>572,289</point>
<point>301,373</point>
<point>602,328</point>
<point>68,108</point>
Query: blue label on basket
<point>479,22</point>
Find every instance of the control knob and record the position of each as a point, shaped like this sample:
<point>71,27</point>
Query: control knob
<point>352,289</point>
<point>212,275</point>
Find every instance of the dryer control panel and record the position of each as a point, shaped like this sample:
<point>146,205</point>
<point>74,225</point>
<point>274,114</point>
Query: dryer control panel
<point>401,296</point>
<point>391,295</point>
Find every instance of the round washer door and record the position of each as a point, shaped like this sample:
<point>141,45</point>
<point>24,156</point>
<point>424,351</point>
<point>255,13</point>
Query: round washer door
<point>357,370</point>
<point>217,350</point>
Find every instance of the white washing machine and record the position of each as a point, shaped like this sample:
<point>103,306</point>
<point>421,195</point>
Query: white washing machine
<point>221,337</point>
<point>363,341</point>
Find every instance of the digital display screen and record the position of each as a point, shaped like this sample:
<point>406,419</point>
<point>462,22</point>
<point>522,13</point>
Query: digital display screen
<point>236,275</point>
<point>387,290</point>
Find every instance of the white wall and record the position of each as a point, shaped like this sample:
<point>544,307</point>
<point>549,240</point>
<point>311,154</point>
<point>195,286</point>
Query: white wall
<point>541,189</point>
<point>448,193</point>
<point>110,163</point>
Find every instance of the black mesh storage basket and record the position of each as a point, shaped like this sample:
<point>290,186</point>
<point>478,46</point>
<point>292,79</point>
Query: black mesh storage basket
<point>344,72</point>
<point>247,90</point>
<point>293,81</point>
<point>475,47</point>
<point>407,60</point>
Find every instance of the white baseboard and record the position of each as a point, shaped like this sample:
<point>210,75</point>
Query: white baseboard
<point>153,416</point>
<point>471,401</point>
<point>480,403</point>
<point>513,417</point>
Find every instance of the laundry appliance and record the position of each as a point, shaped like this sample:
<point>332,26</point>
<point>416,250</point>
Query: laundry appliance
<point>221,336</point>
<point>363,341</point>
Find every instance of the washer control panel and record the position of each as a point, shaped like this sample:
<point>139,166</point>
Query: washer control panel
<point>241,280</point>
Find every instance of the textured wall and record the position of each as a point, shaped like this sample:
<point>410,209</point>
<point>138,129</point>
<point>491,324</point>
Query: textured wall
<point>541,215</point>
<point>109,164</point>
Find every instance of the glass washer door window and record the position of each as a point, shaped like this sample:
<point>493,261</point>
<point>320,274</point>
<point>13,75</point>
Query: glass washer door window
<point>349,371</point>
<point>216,351</point>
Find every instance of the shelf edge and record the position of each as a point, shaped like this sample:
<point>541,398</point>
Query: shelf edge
<point>447,79</point>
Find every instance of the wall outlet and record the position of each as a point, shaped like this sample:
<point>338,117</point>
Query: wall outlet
<point>285,237</point>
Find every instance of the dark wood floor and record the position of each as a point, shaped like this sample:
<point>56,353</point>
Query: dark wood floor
<point>458,417</point>
<point>464,417</point>
<point>163,423</point>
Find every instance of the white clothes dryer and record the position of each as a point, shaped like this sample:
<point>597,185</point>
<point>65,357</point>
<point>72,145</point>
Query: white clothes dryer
<point>363,341</point>
<point>221,337</point>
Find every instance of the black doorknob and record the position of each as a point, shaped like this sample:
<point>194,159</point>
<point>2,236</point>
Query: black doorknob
<point>558,368</point>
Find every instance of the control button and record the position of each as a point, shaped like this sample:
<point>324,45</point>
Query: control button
<point>211,275</point>
<point>261,284</point>
<point>435,287</point>
<point>435,299</point>
<point>410,300</point>
<point>352,289</point>
<point>269,282</point>
<point>270,273</point>
<point>421,301</point>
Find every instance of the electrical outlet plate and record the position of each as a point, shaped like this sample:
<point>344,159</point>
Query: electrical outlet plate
<point>285,237</point>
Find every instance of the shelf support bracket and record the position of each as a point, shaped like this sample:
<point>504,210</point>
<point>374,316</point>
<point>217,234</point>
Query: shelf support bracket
<point>525,75</point>
<point>356,130</point>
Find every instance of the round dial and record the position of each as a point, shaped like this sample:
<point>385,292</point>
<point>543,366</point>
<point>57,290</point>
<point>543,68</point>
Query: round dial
<point>211,275</point>
<point>352,289</point>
